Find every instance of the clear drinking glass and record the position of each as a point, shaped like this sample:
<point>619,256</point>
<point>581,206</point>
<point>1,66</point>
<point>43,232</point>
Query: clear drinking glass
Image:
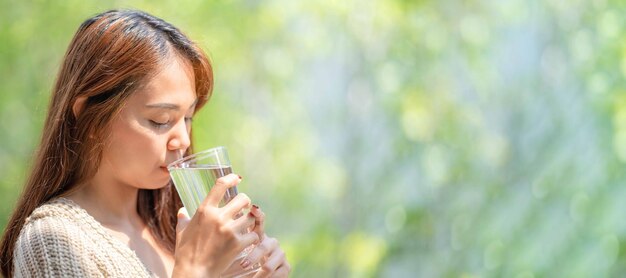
<point>193,177</point>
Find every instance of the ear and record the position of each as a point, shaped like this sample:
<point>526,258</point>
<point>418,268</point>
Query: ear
<point>78,106</point>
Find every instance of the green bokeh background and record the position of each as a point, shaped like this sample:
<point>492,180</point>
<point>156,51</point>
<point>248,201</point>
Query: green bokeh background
<point>389,138</point>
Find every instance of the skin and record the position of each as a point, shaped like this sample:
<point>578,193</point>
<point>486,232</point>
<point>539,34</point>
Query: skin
<point>151,130</point>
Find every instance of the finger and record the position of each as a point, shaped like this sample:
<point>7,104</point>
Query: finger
<point>236,205</point>
<point>267,269</point>
<point>219,189</point>
<point>243,224</point>
<point>276,259</point>
<point>261,274</point>
<point>183,219</point>
<point>266,247</point>
<point>248,239</point>
<point>259,221</point>
<point>283,270</point>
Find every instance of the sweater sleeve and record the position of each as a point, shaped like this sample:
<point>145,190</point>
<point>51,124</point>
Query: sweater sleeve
<point>51,247</point>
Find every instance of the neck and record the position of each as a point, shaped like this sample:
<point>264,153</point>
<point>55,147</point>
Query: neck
<point>111,203</point>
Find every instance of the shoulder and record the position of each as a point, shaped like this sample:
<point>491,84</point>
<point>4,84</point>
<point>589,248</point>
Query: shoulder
<point>60,224</point>
<point>51,241</point>
<point>59,208</point>
<point>59,221</point>
<point>60,239</point>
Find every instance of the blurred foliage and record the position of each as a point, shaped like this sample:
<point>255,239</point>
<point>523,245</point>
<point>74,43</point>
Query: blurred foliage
<point>410,138</point>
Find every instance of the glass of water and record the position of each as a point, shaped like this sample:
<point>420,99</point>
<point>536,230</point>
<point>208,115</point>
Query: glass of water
<point>193,177</point>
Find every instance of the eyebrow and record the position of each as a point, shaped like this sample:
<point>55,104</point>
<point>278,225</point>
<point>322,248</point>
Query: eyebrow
<point>169,106</point>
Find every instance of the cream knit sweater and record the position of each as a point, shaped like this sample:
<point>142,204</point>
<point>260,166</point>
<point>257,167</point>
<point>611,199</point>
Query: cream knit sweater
<point>60,239</point>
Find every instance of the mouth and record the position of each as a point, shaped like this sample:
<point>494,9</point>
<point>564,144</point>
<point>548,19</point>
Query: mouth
<point>167,163</point>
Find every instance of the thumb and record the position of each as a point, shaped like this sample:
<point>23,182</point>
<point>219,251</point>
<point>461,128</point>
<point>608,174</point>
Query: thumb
<point>183,220</point>
<point>258,221</point>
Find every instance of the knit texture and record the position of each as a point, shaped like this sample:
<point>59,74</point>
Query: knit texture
<point>60,239</point>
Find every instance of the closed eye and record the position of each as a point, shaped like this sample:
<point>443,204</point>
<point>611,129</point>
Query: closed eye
<point>159,124</point>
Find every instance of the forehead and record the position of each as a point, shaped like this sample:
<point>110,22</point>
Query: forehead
<point>173,83</point>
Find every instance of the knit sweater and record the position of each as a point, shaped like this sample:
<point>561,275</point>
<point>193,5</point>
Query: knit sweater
<point>60,239</point>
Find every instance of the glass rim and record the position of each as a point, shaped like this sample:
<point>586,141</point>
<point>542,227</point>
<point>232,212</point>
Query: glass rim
<point>199,155</point>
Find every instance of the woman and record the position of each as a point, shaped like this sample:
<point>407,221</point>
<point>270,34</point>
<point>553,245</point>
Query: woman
<point>99,201</point>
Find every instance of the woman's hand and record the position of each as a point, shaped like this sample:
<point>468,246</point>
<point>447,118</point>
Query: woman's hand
<point>268,252</point>
<point>209,242</point>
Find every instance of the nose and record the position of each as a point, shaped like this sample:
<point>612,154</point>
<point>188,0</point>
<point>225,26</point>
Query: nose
<point>180,139</point>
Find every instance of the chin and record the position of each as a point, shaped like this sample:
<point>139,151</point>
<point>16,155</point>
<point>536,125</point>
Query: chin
<point>159,185</point>
<point>156,184</point>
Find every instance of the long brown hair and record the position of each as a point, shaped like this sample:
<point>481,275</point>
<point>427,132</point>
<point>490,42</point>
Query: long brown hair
<point>110,56</point>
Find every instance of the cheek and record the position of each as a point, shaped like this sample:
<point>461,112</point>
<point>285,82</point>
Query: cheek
<point>135,153</point>
<point>141,151</point>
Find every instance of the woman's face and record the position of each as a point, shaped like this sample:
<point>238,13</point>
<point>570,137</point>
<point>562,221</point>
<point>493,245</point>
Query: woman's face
<point>152,129</point>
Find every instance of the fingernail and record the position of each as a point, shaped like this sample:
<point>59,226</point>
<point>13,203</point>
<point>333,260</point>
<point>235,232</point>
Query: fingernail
<point>255,206</point>
<point>245,263</point>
